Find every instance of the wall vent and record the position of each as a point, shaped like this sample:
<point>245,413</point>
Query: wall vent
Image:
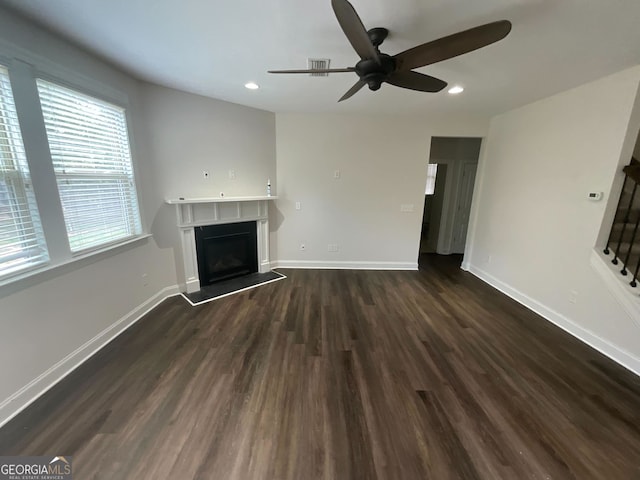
<point>318,63</point>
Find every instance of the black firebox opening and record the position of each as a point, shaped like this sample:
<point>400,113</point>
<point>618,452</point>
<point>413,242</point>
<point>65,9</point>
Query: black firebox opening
<point>226,251</point>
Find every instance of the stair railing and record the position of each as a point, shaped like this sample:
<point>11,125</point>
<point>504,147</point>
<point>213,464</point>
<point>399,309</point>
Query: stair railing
<point>627,219</point>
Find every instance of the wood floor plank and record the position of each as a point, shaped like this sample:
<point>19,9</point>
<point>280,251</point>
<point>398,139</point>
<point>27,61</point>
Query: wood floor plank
<point>343,375</point>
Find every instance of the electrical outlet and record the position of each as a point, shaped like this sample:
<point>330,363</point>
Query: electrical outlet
<point>573,296</point>
<point>303,246</point>
<point>336,174</point>
<point>332,247</point>
<point>488,259</point>
<point>232,174</point>
<point>145,279</point>
<point>298,206</point>
<point>205,173</point>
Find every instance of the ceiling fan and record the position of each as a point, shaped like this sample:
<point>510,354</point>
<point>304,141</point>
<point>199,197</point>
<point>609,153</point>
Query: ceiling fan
<point>375,68</point>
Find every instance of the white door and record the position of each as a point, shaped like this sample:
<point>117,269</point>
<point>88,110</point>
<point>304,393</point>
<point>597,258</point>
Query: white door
<point>465,195</point>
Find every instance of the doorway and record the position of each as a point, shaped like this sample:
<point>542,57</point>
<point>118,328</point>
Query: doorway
<point>451,173</point>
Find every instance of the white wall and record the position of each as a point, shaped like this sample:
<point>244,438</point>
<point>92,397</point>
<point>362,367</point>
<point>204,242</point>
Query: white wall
<point>45,319</point>
<point>533,230</point>
<point>382,163</point>
<point>189,134</point>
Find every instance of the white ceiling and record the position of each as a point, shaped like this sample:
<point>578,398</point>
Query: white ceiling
<point>213,47</point>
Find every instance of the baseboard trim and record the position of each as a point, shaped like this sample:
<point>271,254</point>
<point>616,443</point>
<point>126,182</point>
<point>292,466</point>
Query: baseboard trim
<point>265,266</point>
<point>24,397</point>
<point>192,286</point>
<point>618,355</point>
<point>322,265</point>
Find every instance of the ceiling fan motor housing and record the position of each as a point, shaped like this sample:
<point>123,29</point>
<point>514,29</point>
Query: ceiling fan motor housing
<point>372,73</point>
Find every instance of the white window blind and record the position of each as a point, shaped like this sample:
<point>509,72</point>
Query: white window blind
<point>22,243</point>
<point>91,157</point>
<point>432,171</point>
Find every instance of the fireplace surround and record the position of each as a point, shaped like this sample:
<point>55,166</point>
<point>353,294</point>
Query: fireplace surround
<point>200,212</point>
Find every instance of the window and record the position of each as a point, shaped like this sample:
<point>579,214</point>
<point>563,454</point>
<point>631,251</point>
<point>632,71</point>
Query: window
<point>91,157</point>
<point>432,170</point>
<point>22,243</point>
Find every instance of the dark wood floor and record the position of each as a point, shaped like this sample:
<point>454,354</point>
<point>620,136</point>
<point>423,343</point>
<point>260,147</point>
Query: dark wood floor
<point>343,375</point>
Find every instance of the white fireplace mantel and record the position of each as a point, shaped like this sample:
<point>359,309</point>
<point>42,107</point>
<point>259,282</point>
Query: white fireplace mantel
<point>197,212</point>
<point>176,201</point>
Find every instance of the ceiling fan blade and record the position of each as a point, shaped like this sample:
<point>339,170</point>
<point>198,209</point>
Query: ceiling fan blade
<point>316,70</point>
<point>416,81</point>
<point>452,45</point>
<point>354,29</point>
<point>352,91</point>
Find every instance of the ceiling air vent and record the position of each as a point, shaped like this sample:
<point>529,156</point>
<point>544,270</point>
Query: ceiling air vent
<point>317,64</point>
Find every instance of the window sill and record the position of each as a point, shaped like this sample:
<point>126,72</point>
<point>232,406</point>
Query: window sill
<point>37,274</point>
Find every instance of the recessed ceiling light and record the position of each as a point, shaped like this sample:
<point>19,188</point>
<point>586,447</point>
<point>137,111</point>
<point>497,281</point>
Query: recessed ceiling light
<point>456,90</point>
<point>252,86</point>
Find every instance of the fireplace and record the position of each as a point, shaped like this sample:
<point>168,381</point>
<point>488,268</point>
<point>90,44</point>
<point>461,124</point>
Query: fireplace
<point>192,213</point>
<point>226,251</point>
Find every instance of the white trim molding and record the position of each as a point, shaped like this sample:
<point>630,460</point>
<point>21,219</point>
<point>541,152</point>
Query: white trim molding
<point>618,355</point>
<point>28,394</point>
<point>322,265</point>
